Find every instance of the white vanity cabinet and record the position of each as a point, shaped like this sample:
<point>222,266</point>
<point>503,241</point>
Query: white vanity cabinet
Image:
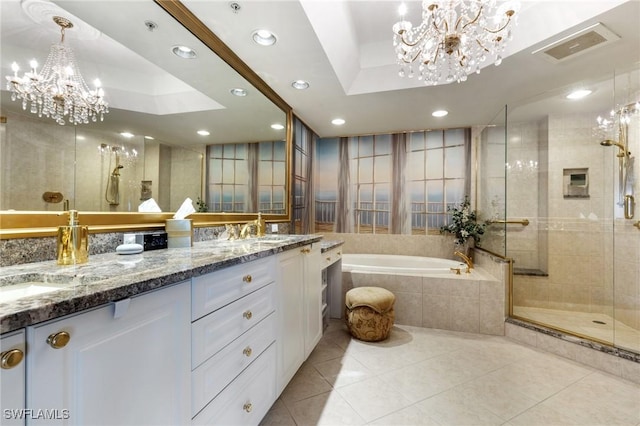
<point>12,378</point>
<point>312,273</point>
<point>299,309</point>
<point>233,344</point>
<point>126,363</point>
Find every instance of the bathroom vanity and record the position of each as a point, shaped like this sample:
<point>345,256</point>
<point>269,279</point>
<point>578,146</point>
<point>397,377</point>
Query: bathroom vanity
<point>204,335</point>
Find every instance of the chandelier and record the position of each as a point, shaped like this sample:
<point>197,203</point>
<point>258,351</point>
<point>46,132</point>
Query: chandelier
<point>58,91</point>
<point>453,40</point>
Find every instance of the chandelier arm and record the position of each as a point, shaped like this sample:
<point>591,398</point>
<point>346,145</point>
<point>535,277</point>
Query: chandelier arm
<point>418,41</point>
<point>461,61</point>
<point>482,46</point>
<point>472,21</point>
<point>509,15</point>
<point>412,59</point>
<point>458,23</point>
<point>435,56</point>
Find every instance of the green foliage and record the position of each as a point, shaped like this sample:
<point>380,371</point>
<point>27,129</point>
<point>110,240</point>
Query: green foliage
<point>463,224</point>
<point>201,206</point>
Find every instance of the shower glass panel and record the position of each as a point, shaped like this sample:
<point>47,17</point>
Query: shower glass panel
<point>626,215</point>
<point>491,183</point>
<point>577,259</point>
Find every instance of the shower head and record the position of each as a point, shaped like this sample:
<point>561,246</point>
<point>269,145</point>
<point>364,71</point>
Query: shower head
<point>623,152</point>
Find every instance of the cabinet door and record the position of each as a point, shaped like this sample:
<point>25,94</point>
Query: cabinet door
<point>290,308</point>
<point>12,378</point>
<point>312,297</point>
<point>126,363</point>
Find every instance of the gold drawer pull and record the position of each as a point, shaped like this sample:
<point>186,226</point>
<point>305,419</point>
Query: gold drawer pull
<point>305,250</point>
<point>247,278</point>
<point>247,314</point>
<point>247,407</point>
<point>328,259</point>
<point>339,253</point>
<point>59,340</point>
<point>11,358</point>
<point>247,351</point>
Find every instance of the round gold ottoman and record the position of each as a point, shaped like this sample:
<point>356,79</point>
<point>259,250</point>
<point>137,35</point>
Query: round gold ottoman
<point>369,313</point>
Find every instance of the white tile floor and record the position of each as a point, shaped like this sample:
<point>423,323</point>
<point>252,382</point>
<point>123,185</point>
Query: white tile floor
<point>421,376</point>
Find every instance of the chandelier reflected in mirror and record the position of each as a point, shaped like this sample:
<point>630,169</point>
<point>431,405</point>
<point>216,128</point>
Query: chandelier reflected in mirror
<point>58,91</point>
<point>454,39</point>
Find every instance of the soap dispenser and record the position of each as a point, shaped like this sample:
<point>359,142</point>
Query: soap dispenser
<point>73,241</point>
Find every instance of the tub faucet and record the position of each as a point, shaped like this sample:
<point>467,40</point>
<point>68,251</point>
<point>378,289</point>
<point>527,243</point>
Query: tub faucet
<point>466,259</point>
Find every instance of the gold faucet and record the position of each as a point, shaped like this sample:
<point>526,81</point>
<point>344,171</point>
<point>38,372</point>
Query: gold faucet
<point>466,259</point>
<point>259,225</point>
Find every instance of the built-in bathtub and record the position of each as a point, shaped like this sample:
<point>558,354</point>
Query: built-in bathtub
<point>397,264</point>
<point>429,293</point>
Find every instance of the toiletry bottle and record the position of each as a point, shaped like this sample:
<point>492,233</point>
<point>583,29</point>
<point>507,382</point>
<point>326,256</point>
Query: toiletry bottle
<point>73,241</point>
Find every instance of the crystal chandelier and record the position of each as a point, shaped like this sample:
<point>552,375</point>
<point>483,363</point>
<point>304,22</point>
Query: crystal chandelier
<point>453,40</point>
<point>58,91</point>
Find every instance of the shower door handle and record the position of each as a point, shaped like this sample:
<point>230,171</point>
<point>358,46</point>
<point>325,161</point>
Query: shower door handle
<point>629,206</point>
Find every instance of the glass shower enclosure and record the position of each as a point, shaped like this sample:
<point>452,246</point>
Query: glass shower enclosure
<point>562,206</point>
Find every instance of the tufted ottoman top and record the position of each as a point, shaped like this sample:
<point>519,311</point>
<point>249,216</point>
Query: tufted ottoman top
<point>378,299</point>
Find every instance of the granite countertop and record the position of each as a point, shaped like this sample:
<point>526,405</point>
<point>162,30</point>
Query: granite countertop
<point>326,245</point>
<point>111,277</point>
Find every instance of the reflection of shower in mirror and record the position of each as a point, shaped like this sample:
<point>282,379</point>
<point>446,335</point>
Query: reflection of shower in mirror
<point>112,192</point>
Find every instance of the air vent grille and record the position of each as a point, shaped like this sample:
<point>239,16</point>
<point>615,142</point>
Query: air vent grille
<point>580,42</point>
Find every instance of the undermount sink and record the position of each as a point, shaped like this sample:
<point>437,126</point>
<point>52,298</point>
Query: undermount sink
<point>15,287</point>
<point>13,292</point>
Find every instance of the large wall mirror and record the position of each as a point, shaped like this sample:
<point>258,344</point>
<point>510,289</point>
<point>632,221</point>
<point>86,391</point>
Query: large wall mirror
<point>147,149</point>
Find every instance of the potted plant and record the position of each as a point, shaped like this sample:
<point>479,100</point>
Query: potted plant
<point>463,224</point>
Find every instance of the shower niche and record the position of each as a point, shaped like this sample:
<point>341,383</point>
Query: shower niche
<point>576,183</point>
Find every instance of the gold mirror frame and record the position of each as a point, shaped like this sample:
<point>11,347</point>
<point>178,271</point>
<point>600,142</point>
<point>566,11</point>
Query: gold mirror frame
<point>25,224</point>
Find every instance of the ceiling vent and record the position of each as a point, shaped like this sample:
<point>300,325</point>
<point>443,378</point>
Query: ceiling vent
<point>578,43</point>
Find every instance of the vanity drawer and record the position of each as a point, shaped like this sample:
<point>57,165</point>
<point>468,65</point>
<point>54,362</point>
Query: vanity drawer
<point>218,371</point>
<point>248,398</point>
<point>218,329</point>
<point>217,289</point>
<point>332,256</point>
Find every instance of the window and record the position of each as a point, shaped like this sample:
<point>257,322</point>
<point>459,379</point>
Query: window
<point>272,170</point>
<point>436,176</point>
<point>371,158</point>
<point>399,183</point>
<point>228,177</point>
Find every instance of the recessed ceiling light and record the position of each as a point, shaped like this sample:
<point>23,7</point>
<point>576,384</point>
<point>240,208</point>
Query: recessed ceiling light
<point>440,113</point>
<point>184,52</point>
<point>236,91</point>
<point>264,37</point>
<point>203,133</point>
<point>338,121</point>
<point>579,94</point>
<point>277,126</point>
<point>300,84</point>
<point>80,137</point>
<point>126,134</point>
<point>149,137</point>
